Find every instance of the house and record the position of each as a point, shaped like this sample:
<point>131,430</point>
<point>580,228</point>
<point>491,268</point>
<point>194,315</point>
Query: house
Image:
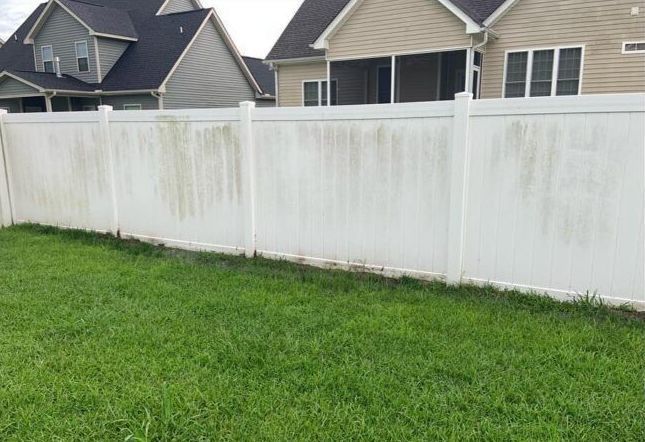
<point>73,55</point>
<point>386,51</point>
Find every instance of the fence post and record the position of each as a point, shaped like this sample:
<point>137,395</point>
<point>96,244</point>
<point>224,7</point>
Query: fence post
<point>248,151</point>
<point>104,122</point>
<point>6,207</point>
<point>460,168</point>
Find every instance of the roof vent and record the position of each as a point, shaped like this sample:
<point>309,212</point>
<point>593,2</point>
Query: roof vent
<point>181,29</point>
<point>57,67</point>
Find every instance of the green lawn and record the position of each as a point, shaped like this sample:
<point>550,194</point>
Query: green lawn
<point>107,340</point>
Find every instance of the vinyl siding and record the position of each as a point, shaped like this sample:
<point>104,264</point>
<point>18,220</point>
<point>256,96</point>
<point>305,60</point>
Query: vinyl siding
<point>382,27</point>
<point>61,31</point>
<point>147,102</point>
<point>208,76</point>
<point>109,53</point>
<point>290,78</point>
<point>13,106</point>
<point>175,6</point>
<point>11,88</point>
<point>599,25</point>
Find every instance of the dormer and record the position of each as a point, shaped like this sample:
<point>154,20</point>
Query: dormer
<point>175,6</point>
<point>87,39</point>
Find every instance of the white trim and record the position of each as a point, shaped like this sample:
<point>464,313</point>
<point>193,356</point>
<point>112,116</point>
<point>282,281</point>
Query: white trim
<point>393,80</point>
<point>87,47</point>
<point>556,64</point>
<point>322,42</point>
<point>99,71</point>
<point>398,54</point>
<point>295,60</point>
<point>136,106</point>
<point>499,12</point>
<point>320,98</point>
<point>277,87</point>
<point>638,51</point>
<point>42,58</point>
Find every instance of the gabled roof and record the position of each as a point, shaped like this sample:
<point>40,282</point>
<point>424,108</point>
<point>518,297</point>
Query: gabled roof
<point>263,74</point>
<point>316,17</point>
<point>98,19</point>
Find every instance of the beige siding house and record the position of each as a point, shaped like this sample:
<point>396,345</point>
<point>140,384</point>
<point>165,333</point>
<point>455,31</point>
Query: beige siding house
<point>385,51</point>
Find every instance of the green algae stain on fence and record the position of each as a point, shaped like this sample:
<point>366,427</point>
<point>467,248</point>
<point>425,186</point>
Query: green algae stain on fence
<point>199,166</point>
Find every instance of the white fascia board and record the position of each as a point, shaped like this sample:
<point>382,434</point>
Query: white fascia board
<point>499,12</point>
<point>322,42</point>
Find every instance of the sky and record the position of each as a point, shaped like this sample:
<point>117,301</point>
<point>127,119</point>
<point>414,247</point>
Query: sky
<point>255,25</point>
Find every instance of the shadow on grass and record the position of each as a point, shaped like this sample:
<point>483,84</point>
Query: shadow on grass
<point>341,281</point>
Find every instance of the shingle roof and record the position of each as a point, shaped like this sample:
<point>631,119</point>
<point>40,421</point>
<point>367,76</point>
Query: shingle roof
<point>314,16</point>
<point>14,53</point>
<point>102,19</point>
<point>262,73</point>
<point>310,21</point>
<point>52,82</point>
<point>147,63</point>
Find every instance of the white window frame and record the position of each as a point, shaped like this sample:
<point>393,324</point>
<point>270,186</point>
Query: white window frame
<point>320,96</point>
<point>624,51</point>
<point>42,57</point>
<point>556,65</point>
<point>87,46</point>
<point>132,107</point>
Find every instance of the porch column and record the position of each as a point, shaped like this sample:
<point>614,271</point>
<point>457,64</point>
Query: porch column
<point>393,78</point>
<point>328,83</point>
<point>469,70</point>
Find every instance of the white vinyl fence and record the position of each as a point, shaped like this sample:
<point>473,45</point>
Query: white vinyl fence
<point>541,194</point>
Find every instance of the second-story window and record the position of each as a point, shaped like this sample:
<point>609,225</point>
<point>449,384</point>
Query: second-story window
<point>48,58</point>
<point>82,56</point>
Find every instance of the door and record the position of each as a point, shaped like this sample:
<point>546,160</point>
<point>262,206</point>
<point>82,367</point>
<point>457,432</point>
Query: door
<point>384,87</point>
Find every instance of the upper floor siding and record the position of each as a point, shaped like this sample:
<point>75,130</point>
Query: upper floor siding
<point>110,51</point>
<point>384,27</point>
<point>61,31</point>
<point>600,27</point>
<point>208,76</point>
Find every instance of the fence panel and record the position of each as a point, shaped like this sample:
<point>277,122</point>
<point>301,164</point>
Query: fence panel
<point>556,197</point>
<point>180,177</point>
<point>58,170</point>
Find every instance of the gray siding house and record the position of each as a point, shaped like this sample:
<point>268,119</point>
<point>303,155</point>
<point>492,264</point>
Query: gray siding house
<point>74,55</point>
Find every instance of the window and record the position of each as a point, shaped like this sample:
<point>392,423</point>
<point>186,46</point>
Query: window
<point>314,93</point>
<point>131,107</point>
<point>543,72</point>
<point>82,56</point>
<point>48,58</point>
<point>634,47</point>
<point>89,108</point>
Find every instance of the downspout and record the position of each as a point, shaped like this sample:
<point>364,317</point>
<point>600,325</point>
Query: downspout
<point>48,101</point>
<point>159,97</point>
